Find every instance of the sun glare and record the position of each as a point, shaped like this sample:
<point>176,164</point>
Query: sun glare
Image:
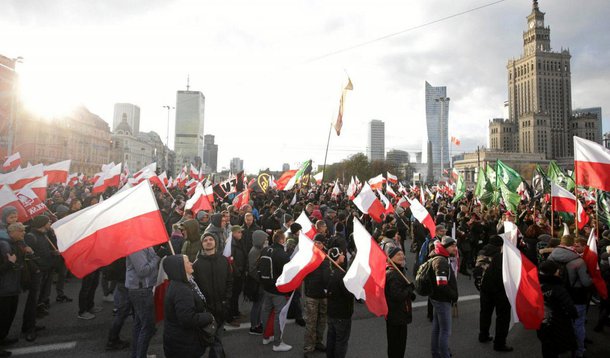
<point>45,92</point>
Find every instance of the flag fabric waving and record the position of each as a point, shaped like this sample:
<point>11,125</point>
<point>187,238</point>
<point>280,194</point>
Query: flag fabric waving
<point>306,259</point>
<point>377,182</point>
<point>12,162</point>
<point>368,203</point>
<point>591,164</point>
<point>392,178</point>
<point>306,228</point>
<point>199,201</point>
<point>57,172</point>
<point>365,278</point>
<point>423,216</point>
<point>94,237</point>
<point>339,121</point>
<point>591,260</point>
<point>8,198</point>
<point>508,176</point>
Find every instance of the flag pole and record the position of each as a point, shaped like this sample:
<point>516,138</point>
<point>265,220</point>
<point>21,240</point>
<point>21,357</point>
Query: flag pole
<point>330,129</point>
<point>596,213</point>
<point>577,202</point>
<point>552,219</point>
<point>399,271</point>
<point>334,263</point>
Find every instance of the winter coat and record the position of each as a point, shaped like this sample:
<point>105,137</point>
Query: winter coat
<point>258,240</point>
<point>340,300</point>
<point>279,257</point>
<point>488,270</point>
<point>184,313</point>
<point>216,230</point>
<point>240,257</point>
<point>10,273</point>
<point>247,235</point>
<point>445,289</point>
<point>142,269</point>
<point>576,268</point>
<point>398,295</point>
<point>559,311</point>
<point>317,281</point>
<point>192,243</point>
<point>42,249</point>
<point>213,276</point>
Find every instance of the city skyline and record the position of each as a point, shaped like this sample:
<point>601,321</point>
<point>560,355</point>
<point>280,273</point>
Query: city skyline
<point>248,93</point>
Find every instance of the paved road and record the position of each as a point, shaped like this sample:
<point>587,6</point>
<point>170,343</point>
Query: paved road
<point>66,336</point>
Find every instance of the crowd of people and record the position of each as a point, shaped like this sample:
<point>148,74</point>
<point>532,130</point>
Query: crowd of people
<point>206,287</point>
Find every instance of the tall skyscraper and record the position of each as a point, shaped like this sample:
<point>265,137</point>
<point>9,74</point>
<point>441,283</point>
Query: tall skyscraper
<point>237,165</point>
<point>376,143</point>
<point>188,143</point>
<point>210,153</point>
<point>130,112</point>
<point>437,127</point>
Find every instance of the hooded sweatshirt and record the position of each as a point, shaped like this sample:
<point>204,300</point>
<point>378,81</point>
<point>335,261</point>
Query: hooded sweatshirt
<point>445,289</point>
<point>259,238</point>
<point>191,246</point>
<point>577,272</point>
<point>215,228</point>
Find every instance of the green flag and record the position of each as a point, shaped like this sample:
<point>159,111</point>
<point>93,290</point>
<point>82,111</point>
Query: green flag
<point>540,182</point>
<point>508,176</point>
<point>483,191</point>
<point>511,199</point>
<point>603,206</point>
<point>460,189</point>
<point>557,176</point>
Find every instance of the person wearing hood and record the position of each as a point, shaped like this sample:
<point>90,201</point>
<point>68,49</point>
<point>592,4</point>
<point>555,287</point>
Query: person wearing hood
<point>185,310</point>
<point>212,273</point>
<point>488,280</point>
<point>239,267</point>
<point>579,282</point>
<point>9,216</point>
<point>217,231</point>
<point>253,289</point>
<point>203,217</point>
<point>444,294</point>
<point>192,245</point>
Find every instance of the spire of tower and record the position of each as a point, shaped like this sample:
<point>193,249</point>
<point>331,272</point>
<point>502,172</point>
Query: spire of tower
<point>188,82</point>
<point>535,5</point>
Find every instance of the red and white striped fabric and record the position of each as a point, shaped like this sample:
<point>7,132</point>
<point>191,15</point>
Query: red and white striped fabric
<point>389,209</point>
<point>110,178</point>
<point>318,177</point>
<point>57,173</point>
<point>402,190</point>
<point>351,189</point>
<point>159,292</point>
<point>591,164</point>
<point>306,228</point>
<point>163,178</point>
<point>8,198</point>
<point>376,183</point>
<point>336,189</point>
<point>392,178</point>
<point>20,178</point>
<point>150,167</point>
<point>194,173</point>
<point>365,278</point>
<point>564,201</point>
<point>12,162</point>
<point>283,180</point>
<point>522,287</point>
<point>390,191</point>
<point>423,216</point>
<point>403,203</point>
<point>153,178</point>
<point>199,201</point>
<point>591,260</point>
<point>31,202</point>
<point>96,236</point>
<point>39,187</point>
<point>209,193</point>
<point>368,203</point>
<point>242,199</point>
<point>72,179</point>
<point>307,258</point>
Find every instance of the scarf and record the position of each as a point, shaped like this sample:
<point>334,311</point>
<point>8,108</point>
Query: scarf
<point>196,289</point>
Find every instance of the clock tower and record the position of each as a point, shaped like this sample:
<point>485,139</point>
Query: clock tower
<point>537,37</point>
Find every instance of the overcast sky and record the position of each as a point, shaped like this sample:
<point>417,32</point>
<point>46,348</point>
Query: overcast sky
<point>267,101</point>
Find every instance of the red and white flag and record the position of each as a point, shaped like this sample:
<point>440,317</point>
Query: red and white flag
<point>96,236</point>
<point>392,178</point>
<point>390,191</point>
<point>110,178</point>
<point>159,292</point>
<point>389,209</point>
<point>57,173</point>
<point>31,202</point>
<point>153,178</point>
<point>592,262</point>
<point>365,278</point>
<point>39,187</point>
<point>403,203</point>
<point>241,199</point>
<point>8,198</point>
<point>336,189</point>
<point>376,183</point>
<point>306,259</point>
<point>306,228</point>
<point>591,164</point>
<point>283,180</point>
<point>20,178</point>
<point>194,173</point>
<point>522,287</point>
<point>318,177</point>
<point>351,189</point>
<point>564,201</point>
<point>368,203</point>
<point>12,162</point>
<point>163,178</point>
<point>423,216</point>
<point>150,167</point>
<point>72,179</point>
<point>199,201</point>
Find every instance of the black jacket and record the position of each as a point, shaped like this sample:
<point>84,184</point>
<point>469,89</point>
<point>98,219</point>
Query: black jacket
<point>240,257</point>
<point>488,269</point>
<point>559,311</point>
<point>247,235</point>
<point>317,281</point>
<point>184,312</point>
<point>10,273</point>
<point>398,295</point>
<point>214,278</point>
<point>340,300</point>
<point>42,248</point>
<point>445,289</point>
<point>279,257</point>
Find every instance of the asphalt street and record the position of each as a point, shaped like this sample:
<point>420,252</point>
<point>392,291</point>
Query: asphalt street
<point>66,336</point>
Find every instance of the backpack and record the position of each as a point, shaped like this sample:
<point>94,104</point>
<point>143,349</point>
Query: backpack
<point>424,279</point>
<point>264,266</point>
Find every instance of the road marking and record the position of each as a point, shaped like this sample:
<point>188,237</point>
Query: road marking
<point>415,305</point>
<point>44,348</point>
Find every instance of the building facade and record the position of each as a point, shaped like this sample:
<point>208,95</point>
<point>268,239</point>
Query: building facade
<point>376,141</point>
<point>210,154</point>
<point>8,78</point>
<point>129,112</point>
<point>437,127</point>
<point>237,165</point>
<point>396,157</point>
<point>188,143</point>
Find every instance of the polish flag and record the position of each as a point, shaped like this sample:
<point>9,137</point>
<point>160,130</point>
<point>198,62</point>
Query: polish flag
<point>522,287</point>
<point>318,177</point>
<point>201,175</point>
<point>241,199</point>
<point>72,179</point>
<point>392,178</point>
<point>306,228</point>
<point>107,167</point>
<point>163,178</point>
<point>194,172</point>
<point>423,216</point>
<point>8,198</point>
<point>96,236</point>
<point>377,182</point>
<point>18,179</point>
<point>153,178</point>
<point>389,209</point>
<point>209,193</point>
<point>351,189</point>
<point>39,187</point>
<point>366,276</point>
<point>591,260</point>
<point>110,178</point>
<point>12,162</point>
<point>591,164</point>
<point>191,185</point>
<point>159,292</point>
<point>403,203</point>
<point>31,202</point>
<point>285,178</point>
<point>150,167</point>
<point>199,201</point>
<point>390,191</point>
<point>307,258</point>
<point>336,190</point>
<point>57,173</point>
<point>564,201</point>
<point>95,177</point>
<point>368,203</point>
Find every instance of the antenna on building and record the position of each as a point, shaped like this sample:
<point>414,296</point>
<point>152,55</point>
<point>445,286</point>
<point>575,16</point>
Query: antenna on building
<point>188,82</point>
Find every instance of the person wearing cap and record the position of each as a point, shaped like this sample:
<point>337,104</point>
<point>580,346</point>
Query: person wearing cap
<point>398,294</point>
<point>444,294</point>
<point>240,269</point>
<point>212,273</point>
<point>340,307</point>
<point>315,302</point>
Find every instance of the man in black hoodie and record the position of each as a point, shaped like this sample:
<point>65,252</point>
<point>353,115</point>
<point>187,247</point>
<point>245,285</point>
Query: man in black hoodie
<point>340,307</point>
<point>488,279</point>
<point>213,277</point>
<point>315,303</point>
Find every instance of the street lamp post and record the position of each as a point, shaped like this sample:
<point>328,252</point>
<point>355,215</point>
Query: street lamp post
<point>442,100</point>
<point>169,109</point>
<point>11,120</point>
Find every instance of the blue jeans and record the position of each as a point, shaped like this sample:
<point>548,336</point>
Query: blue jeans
<point>441,329</point>
<point>123,306</point>
<point>144,320</point>
<point>579,329</point>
